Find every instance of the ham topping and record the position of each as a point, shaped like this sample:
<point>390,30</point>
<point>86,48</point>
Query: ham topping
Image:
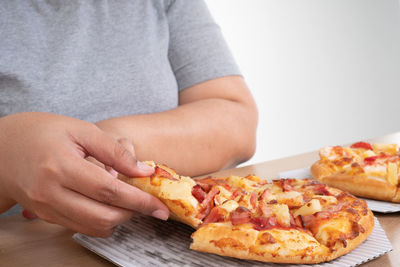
<point>240,215</point>
<point>266,210</point>
<point>163,173</point>
<point>253,199</point>
<point>215,215</point>
<point>207,204</point>
<point>321,190</point>
<point>286,185</point>
<point>361,145</point>
<point>198,193</point>
<point>264,223</point>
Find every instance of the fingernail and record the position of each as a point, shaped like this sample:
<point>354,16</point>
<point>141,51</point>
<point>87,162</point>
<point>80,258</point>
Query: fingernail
<point>160,214</point>
<point>144,166</point>
<point>113,172</point>
<point>28,215</point>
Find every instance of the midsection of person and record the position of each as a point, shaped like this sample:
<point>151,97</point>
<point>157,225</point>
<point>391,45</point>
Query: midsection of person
<point>88,60</point>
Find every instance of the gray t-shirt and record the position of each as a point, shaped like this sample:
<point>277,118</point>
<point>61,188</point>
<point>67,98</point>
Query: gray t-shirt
<point>95,60</point>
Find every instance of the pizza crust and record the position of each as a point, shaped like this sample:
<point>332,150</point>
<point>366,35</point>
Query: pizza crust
<point>367,222</point>
<point>288,245</point>
<point>359,185</point>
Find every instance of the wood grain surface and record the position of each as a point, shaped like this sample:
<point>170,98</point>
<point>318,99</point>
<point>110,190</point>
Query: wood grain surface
<point>37,243</point>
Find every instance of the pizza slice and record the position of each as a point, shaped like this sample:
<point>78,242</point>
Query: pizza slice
<point>286,221</point>
<point>365,170</point>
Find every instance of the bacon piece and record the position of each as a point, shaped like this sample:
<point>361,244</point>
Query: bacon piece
<point>361,145</point>
<point>163,173</point>
<point>265,194</point>
<point>210,196</point>
<point>253,199</point>
<point>371,160</point>
<point>266,210</point>
<point>215,215</point>
<point>307,220</point>
<point>307,196</point>
<point>205,210</point>
<point>321,215</point>
<point>321,190</point>
<point>208,182</point>
<point>207,204</point>
<point>240,215</point>
<point>264,223</point>
<point>337,207</point>
<point>238,192</point>
<point>198,193</point>
<point>285,184</point>
<point>298,221</point>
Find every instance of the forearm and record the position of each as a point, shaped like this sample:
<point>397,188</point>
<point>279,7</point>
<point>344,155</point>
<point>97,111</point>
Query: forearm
<point>195,138</point>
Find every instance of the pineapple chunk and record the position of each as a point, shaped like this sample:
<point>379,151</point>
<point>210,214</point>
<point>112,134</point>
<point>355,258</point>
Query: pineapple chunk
<point>224,193</point>
<point>368,153</point>
<point>291,198</point>
<point>242,182</point>
<point>282,214</point>
<point>387,148</point>
<point>230,205</point>
<point>308,209</point>
<point>392,173</point>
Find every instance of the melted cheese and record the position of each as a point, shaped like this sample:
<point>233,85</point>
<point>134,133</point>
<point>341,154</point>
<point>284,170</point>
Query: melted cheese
<point>291,198</point>
<point>241,182</point>
<point>178,190</point>
<point>230,205</point>
<point>375,170</point>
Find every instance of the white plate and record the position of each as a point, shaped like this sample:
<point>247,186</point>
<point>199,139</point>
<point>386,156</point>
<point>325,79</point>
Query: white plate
<point>374,205</point>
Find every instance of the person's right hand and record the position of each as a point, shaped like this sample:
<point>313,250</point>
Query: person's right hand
<point>43,167</point>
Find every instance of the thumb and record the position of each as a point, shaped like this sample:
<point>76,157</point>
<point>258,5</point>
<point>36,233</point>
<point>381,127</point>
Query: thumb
<point>118,155</point>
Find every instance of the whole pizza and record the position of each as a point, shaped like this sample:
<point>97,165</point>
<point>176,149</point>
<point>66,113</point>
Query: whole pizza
<point>285,221</point>
<point>363,169</point>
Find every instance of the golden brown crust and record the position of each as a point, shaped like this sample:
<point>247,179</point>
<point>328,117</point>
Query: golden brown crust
<point>281,246</point>
<point>359,185</point>
<point>367,223</point>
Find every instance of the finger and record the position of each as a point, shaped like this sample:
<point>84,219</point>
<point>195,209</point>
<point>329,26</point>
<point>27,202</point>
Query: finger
<point>111,153</point>
<point>50,215</point>
<point>113,172</point>
<point>95,161</point>
<point>96,183</point>
<point>127,145</point>
<point>91,215</point>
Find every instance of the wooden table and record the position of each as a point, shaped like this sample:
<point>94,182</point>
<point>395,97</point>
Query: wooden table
<point>37,243</point>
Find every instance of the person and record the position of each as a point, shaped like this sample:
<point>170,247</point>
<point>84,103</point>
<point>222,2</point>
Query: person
<point>92,88</point>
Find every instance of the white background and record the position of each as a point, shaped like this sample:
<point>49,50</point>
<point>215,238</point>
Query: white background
<point>322,72</point>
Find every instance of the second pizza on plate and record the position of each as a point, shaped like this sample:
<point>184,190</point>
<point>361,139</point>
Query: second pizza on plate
<point>363,169</point>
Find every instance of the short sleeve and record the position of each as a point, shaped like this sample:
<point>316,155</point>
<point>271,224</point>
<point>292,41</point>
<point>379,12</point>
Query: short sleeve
<point>197,50</point>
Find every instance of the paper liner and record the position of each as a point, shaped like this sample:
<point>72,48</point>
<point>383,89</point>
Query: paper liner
<point>374,205</point>
<point>145,241</point>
